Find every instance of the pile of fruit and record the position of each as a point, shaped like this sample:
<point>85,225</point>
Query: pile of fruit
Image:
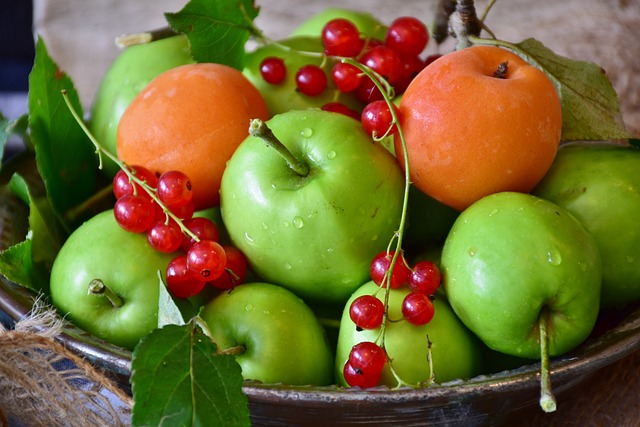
<point>335,207</point>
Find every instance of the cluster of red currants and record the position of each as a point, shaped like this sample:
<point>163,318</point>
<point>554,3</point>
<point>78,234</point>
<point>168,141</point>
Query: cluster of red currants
<point>396,59</point>
<point>367,359</point>
<point>204,260</point>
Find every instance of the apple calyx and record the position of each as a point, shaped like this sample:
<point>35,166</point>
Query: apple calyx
<point>97,287</point>
<point>259,128</point>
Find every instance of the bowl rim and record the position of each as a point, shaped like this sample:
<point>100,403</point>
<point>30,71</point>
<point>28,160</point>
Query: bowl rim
<point>593,354</point>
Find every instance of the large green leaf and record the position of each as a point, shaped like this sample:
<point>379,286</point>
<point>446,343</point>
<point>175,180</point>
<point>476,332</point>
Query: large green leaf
<point>178,379</point>
<point>217,30</point>
<point>65,156</point>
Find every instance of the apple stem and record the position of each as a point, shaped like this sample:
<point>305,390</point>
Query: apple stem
<point>234,351</point>
<point>97,287</point>
<point>547,399</point>
<point>259,128</point>
<point>143,37</point>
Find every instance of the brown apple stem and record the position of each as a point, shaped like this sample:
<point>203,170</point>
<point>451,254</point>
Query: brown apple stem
<point>259,129</point>
<point>464,23</point>
<point>547,399</point>
<point>97,287</point>
<point>234,351</point>
<point>143,37</point>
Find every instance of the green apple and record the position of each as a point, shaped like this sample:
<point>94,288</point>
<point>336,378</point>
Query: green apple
<point>105,280</point>
<point>455,351</point>
<point>368,24</point>
<point>599,183</point>
<point>518,269</point>
<point>275,336</point>
<point>283,96</point>
<point>129,73</point>
<point>314,231</point>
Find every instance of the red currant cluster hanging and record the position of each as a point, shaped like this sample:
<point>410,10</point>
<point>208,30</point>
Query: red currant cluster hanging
<point>205,260</point>
<point>367,359</point>
<point>396,59</point>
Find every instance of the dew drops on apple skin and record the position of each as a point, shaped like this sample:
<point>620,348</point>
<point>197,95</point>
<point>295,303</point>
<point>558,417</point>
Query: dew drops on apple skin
<point>298,222</point>
<point>249,307</point>
<point>331,155</point>
<point>306,132</point>
<point>553,256</point>
<point>472,251</point>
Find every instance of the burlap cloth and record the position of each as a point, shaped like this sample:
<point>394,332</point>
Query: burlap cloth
<point>79,35</point>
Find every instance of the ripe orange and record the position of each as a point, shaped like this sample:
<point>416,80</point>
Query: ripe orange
<point>190,118</point>
<point>470,133</point>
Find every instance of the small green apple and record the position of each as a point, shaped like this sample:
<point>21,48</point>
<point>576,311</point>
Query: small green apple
<point>455,351</point>
<point>105,280</point>
<point>129,73</point>
<point>599,183</point>
<point>368,24</point>
<point>515,265</point>
<point>284,96</point>
<point>315,231</point>
<point>275,336</point>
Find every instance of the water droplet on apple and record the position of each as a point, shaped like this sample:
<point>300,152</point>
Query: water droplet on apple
<point>553,256</point>
<point>493,212</point>
<point>286,223</point>
<point>288,266</point>
<point>298,222</point>
<point>249,307</point>
<point>472,251</point>
<point>331,155</point>
<point>374,237</point>
<point>306,132</point>
<point>265,226</point>
<point>248,238</point>
<point>330,250</point>
<point>631,259</point>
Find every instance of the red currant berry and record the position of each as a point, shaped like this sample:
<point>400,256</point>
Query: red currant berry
<point>182,282</point>
<point>134,213</point>
<point>346,77</point>
<point>377,119</point>
<point>407,35</point>
<point>340,37</point>
<point>123,185</point>
<point>381,264</point>
<point>273,70</point>
<point>424,278</point>
<point>165,236</point>
<point>207,258</point>
<point>174,189</point>
<point>311,80</point>
<point>366,312</point>
<point>339,107</point>
<point>235,269</point>
<point>386,62</point>
<point>183,212</point>
<point>203,228</point>
<point>365,364</point>
<point>368,92</point>
<point>418,308</point>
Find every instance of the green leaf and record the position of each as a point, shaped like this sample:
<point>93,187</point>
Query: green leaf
<point>47,233</point>
<point>178,379</point>
<point>16,264</point>
<point>65,157</point>
<point>590,104</point>
<point>217,30</point>
<point>9,128</point>
<point>168,311</point>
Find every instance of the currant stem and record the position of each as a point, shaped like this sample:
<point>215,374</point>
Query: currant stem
<point>100,150</point>
<point>97,287</point>
<point>259,129</point>
<point>547,399</point>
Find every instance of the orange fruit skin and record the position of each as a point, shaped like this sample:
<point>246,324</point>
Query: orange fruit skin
<point>469,134</point>
<point>190,118</point>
